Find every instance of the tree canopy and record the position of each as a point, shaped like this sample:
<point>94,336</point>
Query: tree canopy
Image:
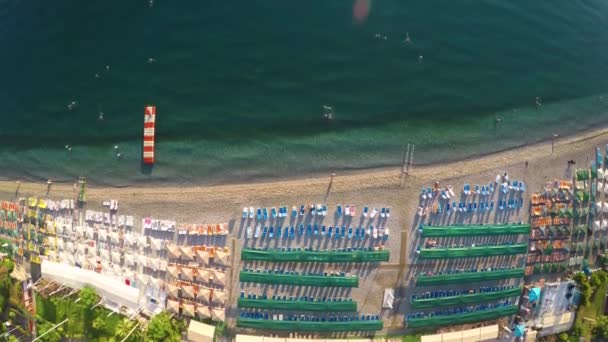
<point>600,328</point>
<point>163,328</point>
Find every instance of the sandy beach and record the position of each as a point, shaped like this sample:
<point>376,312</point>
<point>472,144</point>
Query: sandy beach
<point>380,188</point>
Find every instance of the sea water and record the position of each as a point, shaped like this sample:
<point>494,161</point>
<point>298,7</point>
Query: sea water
<point>240,85</point>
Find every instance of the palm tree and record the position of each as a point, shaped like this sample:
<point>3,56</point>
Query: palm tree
<point>124,328</point>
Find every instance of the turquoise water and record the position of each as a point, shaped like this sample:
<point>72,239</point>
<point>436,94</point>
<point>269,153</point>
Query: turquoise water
<point>240,85</point>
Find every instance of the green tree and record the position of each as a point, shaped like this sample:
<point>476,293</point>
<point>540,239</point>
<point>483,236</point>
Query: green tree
<point>124,328</point>
<point>52,336</point>
<point>563,337</point>
<point>600,328</point>
<point>98,324</point>
<point>88,297</point>
<point>163,328</point>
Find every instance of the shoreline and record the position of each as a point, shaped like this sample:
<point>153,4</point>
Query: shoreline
<point>529,150</point>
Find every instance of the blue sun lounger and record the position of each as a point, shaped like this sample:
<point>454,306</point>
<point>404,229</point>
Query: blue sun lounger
<point>329,231</point>
<point>316,229</point>
<point>350,232</point>
<point>292,233</point>
<point>278,232</point>
<point>343,231</point>
<point>309,229</point>
<point>271,232</point>
<point>265,213</point>
<point>301,230</point>
<point>273,212</point>
<point>259,214</point>
<point>339,210</point>
<point>302,210</point>
<point>264,231</point>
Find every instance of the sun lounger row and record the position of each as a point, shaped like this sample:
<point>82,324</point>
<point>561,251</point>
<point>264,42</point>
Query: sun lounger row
<point>312,230</point>
<point>262,214</point>
<point>111,204</point>
<point>453,293</point>
<point>459,316</point>
<point>203,229</point>
<point>431,244</point>
<point>429,193</point>
<point>459,310</point>
<point>9,206</point>
<point>483,190</point>
<point>471,277</point>
<point>302,303</point>
<point>51,205</point>
<point>263,321</point>
<point>108,219</point>
<point>464,271</point>
<point>472,252</point>
<point>158,225</point>
<point>314,256</point>
<point>278,277</point>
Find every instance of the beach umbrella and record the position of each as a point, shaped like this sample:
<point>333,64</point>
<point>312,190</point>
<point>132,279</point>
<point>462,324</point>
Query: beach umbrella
<point>187,273</point>
<point>221,258</point>
<point>203,256</point>
<point>173,306</point>
<point>203,311</point>
<point>188,309</point>
<point>173,271</point>
<point>186,253</point>
<point>219,278</point>
<point>219,297</point>
<point>172,251</point>
<point>218,314</point>
<point>172,290</point>
<point>187,291</point>
<point>203,293</point>
<point>202,275</point>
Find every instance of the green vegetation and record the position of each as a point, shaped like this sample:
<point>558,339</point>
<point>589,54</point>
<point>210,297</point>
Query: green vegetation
<point>164,328</point>
<point>592,303</point>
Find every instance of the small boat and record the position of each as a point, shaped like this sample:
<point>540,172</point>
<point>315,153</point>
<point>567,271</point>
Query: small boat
<point>149,133</point>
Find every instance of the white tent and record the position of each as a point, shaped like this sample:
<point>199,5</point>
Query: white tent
<point>200,332</point>
<point>389,298</point>
<point>111,288</point>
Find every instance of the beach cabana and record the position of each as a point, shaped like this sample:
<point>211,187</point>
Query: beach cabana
<point>203,294</point>
<point>104,254</point>
<point>221,258</point>
<point>200,332</point>
<point>186,253</point>
<point>154,263</point>
<point>173,271</point>
<point>203,311</point>
<point>203,256</point>
<point>114,237</point>
<point>142,241</point>
<point>187,291</point>
<point>172,251</point>
<point>389,297</point>
<point>128,239</point>
<point>142,260</point>
<point>219,297</point>
<point>219,278</point>
<point>172,290</point>
<point>187,273</point>
<point>90,232</point>
<point>188,309</point>
<point>218,314</point>
<point>102,235</point>
<point>173,306</point>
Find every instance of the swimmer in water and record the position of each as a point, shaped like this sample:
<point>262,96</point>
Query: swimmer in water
<point>538,103</point>
<point>96,75</point>
<point>100,117</point>
<point>420,59</point>
<point>72,105</point>
<point>107,68</point>
<point>407,40</point>
<point>151,60</point>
